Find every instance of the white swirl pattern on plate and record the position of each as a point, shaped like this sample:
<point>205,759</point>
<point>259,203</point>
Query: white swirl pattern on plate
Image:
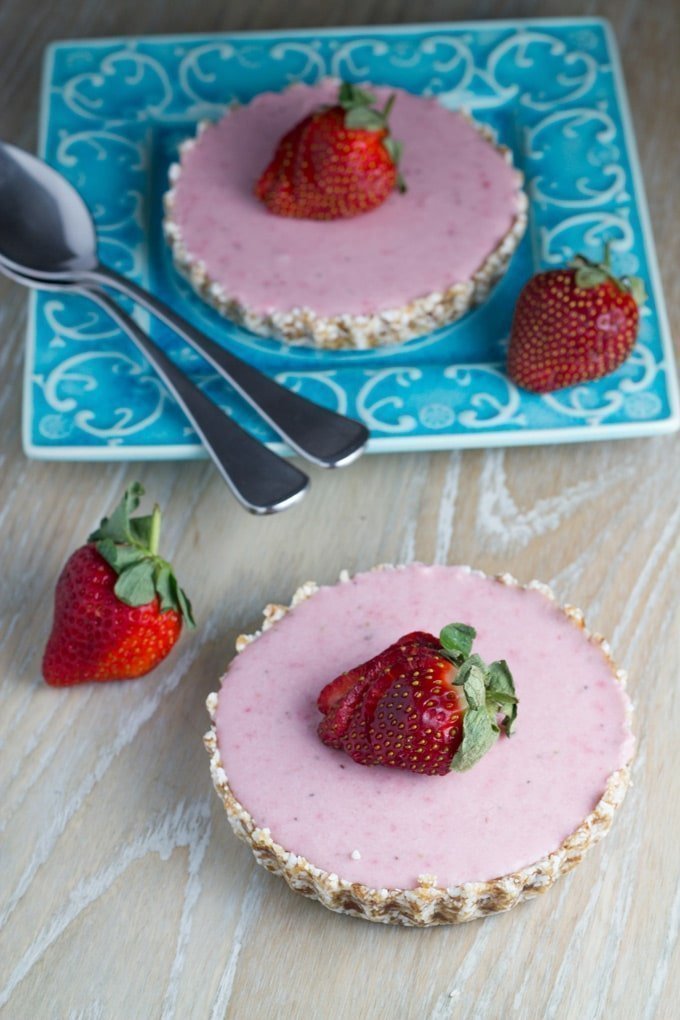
<point>487,409</point>
<point>67,385</point>
<point>298,381</point>
<point>384,412</point>
<point>87,325</point>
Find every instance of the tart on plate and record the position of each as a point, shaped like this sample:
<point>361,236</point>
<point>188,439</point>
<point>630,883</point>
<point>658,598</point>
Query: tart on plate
<point>417,262</point>
<point>394,845</point>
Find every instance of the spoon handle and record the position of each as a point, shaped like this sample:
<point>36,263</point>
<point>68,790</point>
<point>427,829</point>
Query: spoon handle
<point>262,481</point>
<point>320,435</point>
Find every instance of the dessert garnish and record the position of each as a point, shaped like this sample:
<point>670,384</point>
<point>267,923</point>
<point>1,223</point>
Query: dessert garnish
<point>337,162</point>
<point>573,325</point>
<point>118,608</point>
<point>426,704</point>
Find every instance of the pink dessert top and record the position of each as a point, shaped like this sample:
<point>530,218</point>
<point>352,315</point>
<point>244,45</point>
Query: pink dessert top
<point>386,827</point>
<point>462,199</point>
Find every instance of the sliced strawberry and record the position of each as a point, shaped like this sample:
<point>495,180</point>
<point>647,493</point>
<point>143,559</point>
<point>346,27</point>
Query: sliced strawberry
<point>424,704</point>
<point>419,720</point>
<point>338,162</point>
<point>340,699</point>
<point>335,691</point>
<point>341,696</point>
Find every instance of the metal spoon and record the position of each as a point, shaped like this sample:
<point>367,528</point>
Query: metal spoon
<point>261,480</point>
<point>47,232</point>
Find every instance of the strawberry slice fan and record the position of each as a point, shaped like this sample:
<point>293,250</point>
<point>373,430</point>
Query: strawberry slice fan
<point>339,161</point>
<point>426,704</point>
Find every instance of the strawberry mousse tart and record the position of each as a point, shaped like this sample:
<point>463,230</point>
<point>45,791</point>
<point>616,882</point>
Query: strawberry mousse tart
<point>403,777</point>
<point>340,217</point>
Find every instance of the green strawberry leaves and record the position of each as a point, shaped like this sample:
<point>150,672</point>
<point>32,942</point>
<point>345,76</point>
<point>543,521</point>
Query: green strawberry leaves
<point>118,527</point>
<point>351,96</point>
<point>130,545</point>
<point>119,556</point>
<point>395,150</point>
<point>636,286</point>
<point>501,692</point>
<point>479,735</point>
<point>457,639</point>
<point>591,274</point>
<point>166,587</point>
<point>135,585</point>
<point>489,692</point>
<point>364,118</point>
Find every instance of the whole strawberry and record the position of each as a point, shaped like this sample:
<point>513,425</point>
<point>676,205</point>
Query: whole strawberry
<point>573,325</point>
<point>118,608</point>
<point>425,704</point>
<point>338,162</point>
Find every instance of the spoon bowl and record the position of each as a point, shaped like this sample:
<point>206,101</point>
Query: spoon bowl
<point>45,226</point>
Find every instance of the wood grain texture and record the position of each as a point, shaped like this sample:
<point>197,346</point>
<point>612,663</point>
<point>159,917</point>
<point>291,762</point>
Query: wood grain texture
<point>123,893</point>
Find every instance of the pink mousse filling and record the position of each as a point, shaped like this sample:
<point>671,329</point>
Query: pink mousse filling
<point>461,200</point>
<point>525,796</point>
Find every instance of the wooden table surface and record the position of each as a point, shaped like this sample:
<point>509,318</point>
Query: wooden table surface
<point>123,893</point>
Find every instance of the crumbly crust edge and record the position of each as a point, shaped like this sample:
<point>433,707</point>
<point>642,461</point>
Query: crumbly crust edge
<point>426,904</point>
<point>303,326</point>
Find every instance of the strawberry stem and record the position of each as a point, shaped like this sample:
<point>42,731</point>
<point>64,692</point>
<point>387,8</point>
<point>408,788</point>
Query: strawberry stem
<point>155,530</point>
<point>591,274</point>
<point>607,259</point>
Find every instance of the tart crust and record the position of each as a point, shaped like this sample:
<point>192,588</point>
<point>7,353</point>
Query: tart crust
<point>426,904</point>
<point>303,326</point>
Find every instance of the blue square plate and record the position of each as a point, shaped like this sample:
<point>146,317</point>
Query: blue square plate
<point>113,114</point>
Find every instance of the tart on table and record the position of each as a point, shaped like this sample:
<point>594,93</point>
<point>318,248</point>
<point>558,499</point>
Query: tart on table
<point>432,811</point>
<point>343,216</point>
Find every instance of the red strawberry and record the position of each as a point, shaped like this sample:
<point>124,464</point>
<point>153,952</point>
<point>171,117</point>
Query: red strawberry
<point>118,609</point>
<point>573,325</point>
<point>339,161</point>
<point>424,704</point>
